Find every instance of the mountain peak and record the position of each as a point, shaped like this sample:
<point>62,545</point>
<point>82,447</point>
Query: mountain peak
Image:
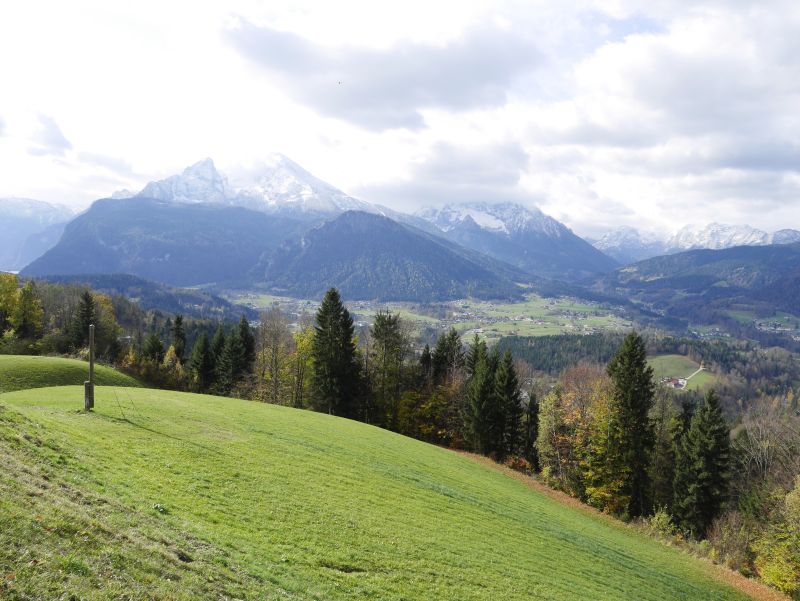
<point>716,236</point>
<point>200,182</point>
<point>505,217</point>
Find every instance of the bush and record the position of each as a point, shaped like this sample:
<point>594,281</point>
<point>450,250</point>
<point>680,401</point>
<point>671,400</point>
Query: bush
<point>731,536</point>
<point>660,523</point>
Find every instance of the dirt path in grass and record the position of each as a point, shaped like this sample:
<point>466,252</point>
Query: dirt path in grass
<point>749,587</point>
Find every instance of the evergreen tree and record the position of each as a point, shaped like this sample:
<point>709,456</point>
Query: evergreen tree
<point>531,431</point>
<point>475,350</point>
<point>426,364</point>
<point>387,352</point>
<point>233,362</point>
<point>702,468</point>
<point>218,344</point>
<point>631,440</point>
<point>336,376</point>
<point>201,363</point>
<point>662,469</point>
<point>153,348</point>
<point>480,406</point>
<point>448,357</point>
<point>248,342</point>
<point>85,316</point>
<point>508,397</point>
<point>179,337</point>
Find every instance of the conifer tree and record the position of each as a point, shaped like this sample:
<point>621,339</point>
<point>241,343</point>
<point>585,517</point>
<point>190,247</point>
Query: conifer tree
<point>509,399</point>
<point>480,406</point>
<point>85,316</point>
<point>702,468</point>
<point>336,376</point>
<point>218,343</point>
<point>475,350</point>
<point>248,342</point>
<point>631,440</point>
<point>426,364</point>
<point>179,337</point>
<point>448,357</point>
<point>153,348</point>
<point>531,431</point>
<point>201,363</point>
<point>233,362</point>
<point>662,468</point>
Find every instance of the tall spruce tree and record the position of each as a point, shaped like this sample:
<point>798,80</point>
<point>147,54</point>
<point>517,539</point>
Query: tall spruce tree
<point>702,469</point>
<point>448,357</point>
<point>336,375</point>
<point>248,342</point>
<point>179,338</point>
<point>233,363</point>
<point>632,439</point>
<point>662,467</point>
<point>86,315</point>
<point>480,405</point>
<point>531,431</point>
<point>509,400</point>
<point>201,363</point>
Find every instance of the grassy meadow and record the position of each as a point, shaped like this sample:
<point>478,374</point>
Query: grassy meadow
<point>170,495</point>
<point>679,366</point>
<point>19,372</point>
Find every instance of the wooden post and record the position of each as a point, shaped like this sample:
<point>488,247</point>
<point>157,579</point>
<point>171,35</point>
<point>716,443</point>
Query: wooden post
<point>88,386</point>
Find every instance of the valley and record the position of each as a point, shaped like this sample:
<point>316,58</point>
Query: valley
<point>491,320</point>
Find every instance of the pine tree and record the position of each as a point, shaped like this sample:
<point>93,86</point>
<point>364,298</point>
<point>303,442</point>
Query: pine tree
<point>531,431</point>
<point>85,316</point>
<point>702,470</point>
<point>662,469</point>
<point>426,364</point>
<point>336,376</point>
<point>631,440</point>
<point>218,343</point>
<point>153,348</point>
<point>201,363</point>
<point>448,357</point>
<point>508,397</point>
<point>179,337</point>
<point>233,362</point>
<point>480,405</point>
<point>475,350</point>
<point>248,342</point>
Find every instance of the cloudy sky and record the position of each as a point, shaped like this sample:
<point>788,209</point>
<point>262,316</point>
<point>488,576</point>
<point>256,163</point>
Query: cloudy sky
<point>652,113</point>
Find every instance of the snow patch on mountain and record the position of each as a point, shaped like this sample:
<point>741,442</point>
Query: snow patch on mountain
<point>507,218</point>
<point>717,236</point>
<point>276,185</point>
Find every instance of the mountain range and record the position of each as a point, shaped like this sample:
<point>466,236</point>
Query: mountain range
<point>280,228</point>
<point>27,229</point>
<point>627,245</point>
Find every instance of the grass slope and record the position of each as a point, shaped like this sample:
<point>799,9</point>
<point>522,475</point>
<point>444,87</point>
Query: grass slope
<point>259,501</point>
<point>20,372</point>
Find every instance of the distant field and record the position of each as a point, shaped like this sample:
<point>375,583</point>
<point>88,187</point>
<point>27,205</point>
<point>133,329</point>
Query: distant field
<point>535,316</point>
<point>679,366</point>
<point>22,372</point>
<point>180,496</point>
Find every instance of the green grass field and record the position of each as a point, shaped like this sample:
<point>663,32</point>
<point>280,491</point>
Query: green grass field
<point>165,495</point>
<point>679,366</point>
<point>22,372</point>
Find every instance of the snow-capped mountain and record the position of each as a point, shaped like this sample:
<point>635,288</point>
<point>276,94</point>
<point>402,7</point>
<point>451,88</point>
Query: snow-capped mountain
<point>506,218</point>
<point>786,236</point>
<point>22,219</point>
<point>278,185</point>
<point>524,237</point>
<point>716,236</point>
<point>628,245</point>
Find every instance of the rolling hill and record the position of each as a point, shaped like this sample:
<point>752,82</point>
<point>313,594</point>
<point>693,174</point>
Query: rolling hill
<point>171,495</point>
<point>23,372</point>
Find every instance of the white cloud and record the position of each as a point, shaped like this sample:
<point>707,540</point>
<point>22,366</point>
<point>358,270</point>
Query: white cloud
<point>650,114</point>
